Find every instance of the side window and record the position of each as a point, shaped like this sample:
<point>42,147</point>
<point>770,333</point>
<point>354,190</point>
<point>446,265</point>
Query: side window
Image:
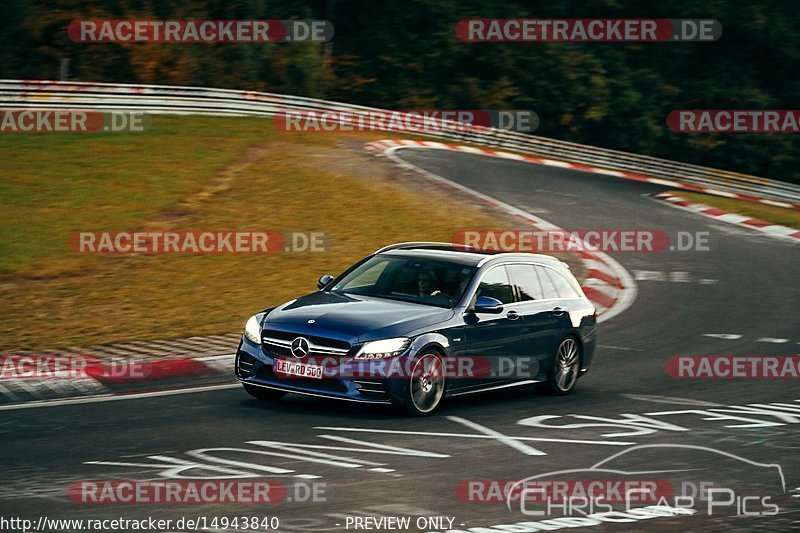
<point>495,284</point>
<point>548,288</point>
<point>524,278</point>
<point>563,287</point>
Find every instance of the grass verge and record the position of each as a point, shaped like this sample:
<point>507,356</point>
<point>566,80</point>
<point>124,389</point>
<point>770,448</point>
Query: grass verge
<point>193,173</point>
<point>768,213</point>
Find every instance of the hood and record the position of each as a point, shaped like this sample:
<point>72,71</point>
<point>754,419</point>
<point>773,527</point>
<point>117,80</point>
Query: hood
<point>353,318</point>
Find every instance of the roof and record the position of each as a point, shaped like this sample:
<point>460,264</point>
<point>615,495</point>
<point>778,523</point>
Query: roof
<point>463,258</point>
<point>460,253</point>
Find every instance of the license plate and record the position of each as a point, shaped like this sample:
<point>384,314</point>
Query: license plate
<point>299,370</point>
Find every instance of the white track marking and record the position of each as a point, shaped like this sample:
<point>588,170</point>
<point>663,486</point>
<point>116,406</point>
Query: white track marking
<point>112,398</point>
<point>517,445</point>
<point>666,183</point>
<point>781,231</point>
<point>607,172</point>
<point>649,275</point>
<point>623,348</point>
<point>554,163</point>
<point>731,218</point>
<point>739,221</point>
<point>473,436</point>
<point>671,400</point>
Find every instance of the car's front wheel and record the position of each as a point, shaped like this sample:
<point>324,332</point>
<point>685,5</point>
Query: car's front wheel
<point>565,368</point>
<point>263,393</point>
<point>426,385</point>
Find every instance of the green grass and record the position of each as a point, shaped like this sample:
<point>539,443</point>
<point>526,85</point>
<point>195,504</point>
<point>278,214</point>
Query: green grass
<point>768,213</point>
<point>53,184</point>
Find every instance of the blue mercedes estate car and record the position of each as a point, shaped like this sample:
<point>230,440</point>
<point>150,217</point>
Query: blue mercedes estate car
<point>415,323</point>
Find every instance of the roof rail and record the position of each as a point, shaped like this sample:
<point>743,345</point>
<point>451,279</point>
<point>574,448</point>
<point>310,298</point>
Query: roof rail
<point>491,254</point>
<point>525,255</point>
<point>431,245</point>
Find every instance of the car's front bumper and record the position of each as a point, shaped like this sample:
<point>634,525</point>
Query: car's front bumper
<point>254,367</point>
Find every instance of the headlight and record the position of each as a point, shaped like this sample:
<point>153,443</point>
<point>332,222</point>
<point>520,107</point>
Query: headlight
<point>252,330</point>
<point>384,348</point>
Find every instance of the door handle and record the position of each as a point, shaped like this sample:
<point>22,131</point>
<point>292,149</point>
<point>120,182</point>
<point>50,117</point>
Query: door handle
<point>557,311</point>
<point>512,315</point>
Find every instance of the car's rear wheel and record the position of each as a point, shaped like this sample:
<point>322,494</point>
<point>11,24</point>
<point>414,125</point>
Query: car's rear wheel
<point>263,393</point>
<point>426,385</point>
<point>565,368</point>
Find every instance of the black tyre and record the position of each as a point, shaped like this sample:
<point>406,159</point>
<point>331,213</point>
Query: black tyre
<point>263,393</point>
<point>566,367</point>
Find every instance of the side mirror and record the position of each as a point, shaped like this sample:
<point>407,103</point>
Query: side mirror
<point>485,304</point>
<point>323,281</point>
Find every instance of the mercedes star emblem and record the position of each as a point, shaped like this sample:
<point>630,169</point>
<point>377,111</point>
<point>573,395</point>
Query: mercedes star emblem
<point>300,347</point>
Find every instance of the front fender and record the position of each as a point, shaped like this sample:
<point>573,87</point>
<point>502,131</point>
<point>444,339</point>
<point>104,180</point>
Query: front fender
<point>441,342</point>
<point>397,387</point>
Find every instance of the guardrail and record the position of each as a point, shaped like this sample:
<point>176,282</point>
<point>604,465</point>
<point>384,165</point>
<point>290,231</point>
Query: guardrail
<point>27,94</point>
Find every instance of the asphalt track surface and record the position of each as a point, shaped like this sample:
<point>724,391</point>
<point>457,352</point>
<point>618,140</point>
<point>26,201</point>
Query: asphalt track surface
<point>746,285</point>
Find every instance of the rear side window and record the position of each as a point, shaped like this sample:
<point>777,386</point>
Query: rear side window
<point>495,284</point>
<point>563,287</point>
<point>548,288</point>
<point>525,280</point>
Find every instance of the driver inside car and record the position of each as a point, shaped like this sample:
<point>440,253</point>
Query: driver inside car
<point>427,283</point>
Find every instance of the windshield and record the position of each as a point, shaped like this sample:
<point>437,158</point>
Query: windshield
<point>423,281</point>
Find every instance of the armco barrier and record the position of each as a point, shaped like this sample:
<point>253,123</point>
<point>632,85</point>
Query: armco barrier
<point>27,94</point>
